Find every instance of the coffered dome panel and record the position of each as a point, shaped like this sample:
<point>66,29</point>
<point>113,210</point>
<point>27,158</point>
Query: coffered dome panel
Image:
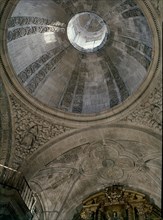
<point>79,56</point>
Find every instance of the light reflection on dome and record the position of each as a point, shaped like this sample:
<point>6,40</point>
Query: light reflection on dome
<point>87,32</point>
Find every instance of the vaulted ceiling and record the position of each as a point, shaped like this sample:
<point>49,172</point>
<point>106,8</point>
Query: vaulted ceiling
<point>63,77</point>
<point>75,121</point>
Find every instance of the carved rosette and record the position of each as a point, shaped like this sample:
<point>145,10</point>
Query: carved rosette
<point>149,113</point>
<point>31,131</point>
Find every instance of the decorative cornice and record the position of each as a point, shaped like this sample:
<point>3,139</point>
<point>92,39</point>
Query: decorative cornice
<point>31,131</point>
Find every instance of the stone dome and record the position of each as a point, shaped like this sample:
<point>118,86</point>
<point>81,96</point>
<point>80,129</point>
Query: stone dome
<point>79,57</point>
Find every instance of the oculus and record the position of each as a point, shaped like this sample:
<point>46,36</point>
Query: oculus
<point>87,32</point>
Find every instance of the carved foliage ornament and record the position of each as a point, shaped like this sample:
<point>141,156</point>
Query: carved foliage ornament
<point>157,4</point>
<point>149,113</point>
<point>31,131</point>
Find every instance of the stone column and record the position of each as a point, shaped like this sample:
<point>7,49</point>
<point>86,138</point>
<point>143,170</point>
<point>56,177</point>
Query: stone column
<point>141,212</point>
<point>130,213</point>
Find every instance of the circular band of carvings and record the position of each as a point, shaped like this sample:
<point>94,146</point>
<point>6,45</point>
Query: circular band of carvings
<point>115,113</point>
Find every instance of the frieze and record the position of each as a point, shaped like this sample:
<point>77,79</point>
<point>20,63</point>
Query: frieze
<point>114,100</point>
<point>149,113</point>
<point>21,21</point>
<point>24,31</point>
<point>143,48</point>
<point>31,131</point>
<point>125,5</point>
<point>143,60</point>
<point>32,68</point>
<point>66,100</point>
<point>37,78</point>
<point>118,79</point>
<point>78,99</point>
<point>134,12</point>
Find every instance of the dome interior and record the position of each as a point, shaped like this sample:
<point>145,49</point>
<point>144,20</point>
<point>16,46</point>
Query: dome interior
<point>63,74</point>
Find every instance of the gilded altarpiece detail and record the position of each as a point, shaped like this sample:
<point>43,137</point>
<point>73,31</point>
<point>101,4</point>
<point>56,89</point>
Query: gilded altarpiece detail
<point>117,203</point>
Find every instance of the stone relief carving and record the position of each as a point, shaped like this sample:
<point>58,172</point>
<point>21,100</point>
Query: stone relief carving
<point>125,5</point>
<point>142,47</point>
<point>99,163</point>
<point>107,159</point>
<point>24,31</point>
<point>134,12</point>
<point>20,21</point>
<point>149,113</point>
<point>31,131</point>
<point>142,59</point>
<point>113,80</point>
<point>25,74</point>
<point>67,98</point>
<point>118,79</point>
<point>39,76</point>
<point>157,5</point>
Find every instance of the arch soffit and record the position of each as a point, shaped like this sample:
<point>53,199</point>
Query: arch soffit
<point>68,142</point>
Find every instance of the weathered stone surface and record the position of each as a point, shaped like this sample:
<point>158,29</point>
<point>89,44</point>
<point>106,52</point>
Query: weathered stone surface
<point>158,5</point>
<point>149,113</point>
<point>90,166</point>
<point>5,127</point>
<point>22,32</point>
<point>31,131</point>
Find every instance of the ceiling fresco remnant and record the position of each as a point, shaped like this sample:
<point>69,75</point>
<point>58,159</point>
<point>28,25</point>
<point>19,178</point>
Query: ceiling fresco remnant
<point>98,163</point>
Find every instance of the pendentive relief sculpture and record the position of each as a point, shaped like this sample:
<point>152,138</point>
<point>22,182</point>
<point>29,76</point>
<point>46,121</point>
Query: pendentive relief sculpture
<point>118,203</point>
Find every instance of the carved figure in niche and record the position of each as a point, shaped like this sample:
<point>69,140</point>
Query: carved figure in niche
<point>115,216</point>
<point>108,216</point>
<point>30,137</point>
<point>86,215</point>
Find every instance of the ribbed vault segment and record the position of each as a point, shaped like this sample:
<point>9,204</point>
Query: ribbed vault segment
<point>55,73</point>
<point>73,168</point>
